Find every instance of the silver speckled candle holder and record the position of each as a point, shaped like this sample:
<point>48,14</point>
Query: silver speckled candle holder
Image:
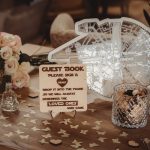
<point>130,106</point>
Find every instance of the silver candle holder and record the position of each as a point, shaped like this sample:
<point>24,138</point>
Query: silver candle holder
<point>130,106</point>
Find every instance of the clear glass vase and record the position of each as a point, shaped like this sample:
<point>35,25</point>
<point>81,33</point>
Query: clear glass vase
<point>130,106</point>
<point>9,101</point>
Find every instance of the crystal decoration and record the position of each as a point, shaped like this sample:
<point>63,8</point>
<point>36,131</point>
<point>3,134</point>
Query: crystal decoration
<point>115,51</point>
<point>9,101</point>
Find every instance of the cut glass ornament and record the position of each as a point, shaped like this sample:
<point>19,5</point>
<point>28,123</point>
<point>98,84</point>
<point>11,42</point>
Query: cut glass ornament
<point>115,51</point>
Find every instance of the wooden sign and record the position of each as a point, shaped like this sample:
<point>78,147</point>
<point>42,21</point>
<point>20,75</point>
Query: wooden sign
<point>63,88</point>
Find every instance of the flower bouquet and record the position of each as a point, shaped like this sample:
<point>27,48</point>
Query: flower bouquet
<point>13,62</point>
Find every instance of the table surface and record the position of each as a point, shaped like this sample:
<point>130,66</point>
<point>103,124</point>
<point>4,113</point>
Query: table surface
<point>29,129</point>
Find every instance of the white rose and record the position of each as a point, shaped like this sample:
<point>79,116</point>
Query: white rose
<point>13,41</point>
<point>6,52</point>
<point>25,66</point>
<point>5,39</point>
<point>15,44</point>
<point>11,65</point>
<point>17,56</point>
<point>20,79</point>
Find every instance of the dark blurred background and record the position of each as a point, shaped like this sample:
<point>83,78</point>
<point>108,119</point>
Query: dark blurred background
<point>32,19</point>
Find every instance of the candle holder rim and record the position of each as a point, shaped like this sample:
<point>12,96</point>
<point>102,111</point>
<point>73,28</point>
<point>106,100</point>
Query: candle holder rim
<point>145,87</point>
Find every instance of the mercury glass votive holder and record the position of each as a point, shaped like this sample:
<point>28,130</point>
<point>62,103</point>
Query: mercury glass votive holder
<point>130,106</point>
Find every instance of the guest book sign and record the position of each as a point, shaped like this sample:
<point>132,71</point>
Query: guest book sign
<point>63,88</point>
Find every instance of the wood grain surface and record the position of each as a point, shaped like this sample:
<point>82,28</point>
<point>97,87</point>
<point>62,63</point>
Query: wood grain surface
<point>93,129</point>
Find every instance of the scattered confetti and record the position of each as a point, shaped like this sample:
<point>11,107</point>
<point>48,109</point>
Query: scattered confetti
<point>22,124</point>
<point>83,131</point>
<point>35,129</point>
<point>46,136</point>
<point>55,141</point>
<point>85,123</point>
<point>96,127</point>
<point>101,133</point>
<point>46,122</point>
<point>76,144</point>
<point>65,121</point>
<point>102,139</point>
<point>98,122</point>
<point>74,126</point>
<point>65,135</point>
<point>19,132</point>
<point>61,131</point>
<point>7,125</point>
<point>43,141</point>
<point>116,141</point>
<point>93,145</point>
<point>9,134</point>
<point>46,129</point>
<point>24,136</point>
<point>133,143</point>
<point>123,134</point>
<point>33,121</point>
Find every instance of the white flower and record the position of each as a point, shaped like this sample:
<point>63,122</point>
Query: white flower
<point>20,79</point>
<point>6,52</point>
<point>5,39</point>
<point>16,44</point>
<point>10,40</point>
<point>17,56</point>
<point>25,66</point>
<point>11,65</point>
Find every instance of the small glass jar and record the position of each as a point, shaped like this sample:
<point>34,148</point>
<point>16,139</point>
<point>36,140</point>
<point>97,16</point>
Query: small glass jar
<point>130,106</point>
<point>9,101</point>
